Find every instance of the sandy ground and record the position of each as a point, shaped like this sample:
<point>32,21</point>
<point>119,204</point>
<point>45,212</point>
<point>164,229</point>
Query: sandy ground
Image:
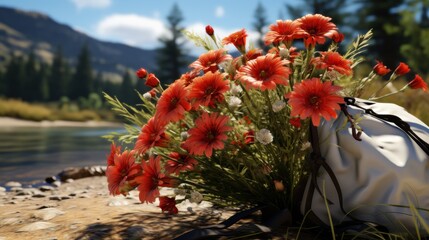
<point>83,209</point>
<point>13,122</point>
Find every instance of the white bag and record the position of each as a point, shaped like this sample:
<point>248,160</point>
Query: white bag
<point>377,175</point>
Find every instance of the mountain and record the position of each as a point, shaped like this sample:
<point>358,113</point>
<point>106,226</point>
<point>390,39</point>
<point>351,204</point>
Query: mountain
<point>22,32</point>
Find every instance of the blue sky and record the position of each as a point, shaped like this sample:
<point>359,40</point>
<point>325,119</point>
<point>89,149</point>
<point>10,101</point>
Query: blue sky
<point>141,22</point>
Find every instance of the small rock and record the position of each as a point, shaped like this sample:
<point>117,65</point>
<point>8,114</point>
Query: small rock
<point>117,203</point>
<point>65,197</point>
<point>84,196</point>
<point>16,189</point>
<point>51,179</point>
<point>77,173</point>
<point>69,180</point>
<point>20,197</point>
<point>37,226</point>
<point>56,183</point>
<point>55,197</point>
<point>13,184</point>
<point>39,195</point>
<point>28,191</point>
<point>48,205</point>
<point>47,213</point>
<point>46,188</point>
<point>9,221</point>
<point>2,189</point>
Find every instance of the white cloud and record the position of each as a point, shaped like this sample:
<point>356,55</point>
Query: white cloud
<point>92,3</point>
<point>219,11</point>
<point>132,29</point>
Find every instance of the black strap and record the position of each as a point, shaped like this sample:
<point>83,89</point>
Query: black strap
<point>318,161</point>
<point>393,119</point>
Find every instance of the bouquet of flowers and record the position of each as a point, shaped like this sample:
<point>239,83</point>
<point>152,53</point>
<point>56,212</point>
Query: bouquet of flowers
<point>235,130</point>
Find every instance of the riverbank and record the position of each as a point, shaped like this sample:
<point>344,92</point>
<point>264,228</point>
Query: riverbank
<point>8,122</point>
<point>83,209</point>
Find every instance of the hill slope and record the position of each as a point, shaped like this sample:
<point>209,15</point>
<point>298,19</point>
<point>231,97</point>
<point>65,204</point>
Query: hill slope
<point>22,32</point>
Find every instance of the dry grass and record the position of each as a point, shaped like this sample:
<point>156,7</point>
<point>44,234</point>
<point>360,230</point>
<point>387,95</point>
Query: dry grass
<point>36,112</point>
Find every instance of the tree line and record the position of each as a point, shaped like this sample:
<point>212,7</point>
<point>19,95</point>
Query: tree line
<point>400,34</point>
<point>36,81</point>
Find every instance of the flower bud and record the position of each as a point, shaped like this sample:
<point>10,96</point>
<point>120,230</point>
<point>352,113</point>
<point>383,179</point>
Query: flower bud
<point>402,69</point>
<point>209,30</point>
<point>381,69</point>
<point>152,80</point>
<point>141,73</point>
<point>417,83</point>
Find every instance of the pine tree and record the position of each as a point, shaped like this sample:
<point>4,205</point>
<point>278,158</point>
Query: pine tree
<point>82,82</point>
<point>29,84</point>
<point>414,21</point>
<point>14,77</point>
<point>59,77</point>
<point>383,17</point>
<point>42,83</point>
<point>170,57</point>
<point>126,91</point>
<point>141,88</point>
<point>259,24</point>
<point>2,91</point>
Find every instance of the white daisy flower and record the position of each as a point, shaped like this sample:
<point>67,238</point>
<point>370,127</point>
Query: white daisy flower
<point>279,105</point>
<point>234,102</point>
<point>264,136</point>
<point>147,95</point>
<point>235,89</point>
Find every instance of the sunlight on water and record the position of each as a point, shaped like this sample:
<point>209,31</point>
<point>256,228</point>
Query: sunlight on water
<point>31,154</point>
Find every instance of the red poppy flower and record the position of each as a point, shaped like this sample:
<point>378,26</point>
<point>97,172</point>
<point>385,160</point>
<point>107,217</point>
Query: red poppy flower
<point>296,122</point>
<point>337,37</point>
<point>253,53</point>
<point>249,137</point>
<point>210,61</point>
<point>173,103</point>
<point>333,61</point>
<point>316,27</point>
<point>187,78</point>
<point>151,179</point>
<point>168,204</point>
<point>152,135</point>
<point>381,69</point>
<point>152,81</point>
<point>208,90</point>
<point>114,150</point>
<point>180,163</point>
<point>121,175</point>
<point>264,72</point>
<point>209,30</point>
<point>238,39</point>
<point>402,69</point>
<point>314,98</point>
<point>417,83</point>
<point>283,32</point>
<point>141,73</point>
<point>208,134</point>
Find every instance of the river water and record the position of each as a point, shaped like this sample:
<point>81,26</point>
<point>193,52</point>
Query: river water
<point>29,155</point>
